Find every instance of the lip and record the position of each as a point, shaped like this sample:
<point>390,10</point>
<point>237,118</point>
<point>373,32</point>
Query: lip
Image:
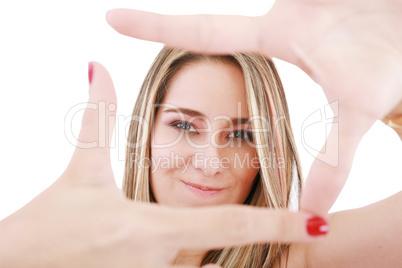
<point>202,190</point>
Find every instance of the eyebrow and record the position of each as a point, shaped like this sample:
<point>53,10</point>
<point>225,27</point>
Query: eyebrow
<point>194,113</point>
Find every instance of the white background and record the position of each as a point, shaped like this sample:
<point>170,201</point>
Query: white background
<point>44,51</point>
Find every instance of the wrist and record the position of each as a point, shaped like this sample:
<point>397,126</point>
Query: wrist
<point>13,250</point>
<point>7,244</point>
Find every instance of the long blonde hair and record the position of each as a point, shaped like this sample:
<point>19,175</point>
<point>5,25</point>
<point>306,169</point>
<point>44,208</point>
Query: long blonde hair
<point>279,163</point>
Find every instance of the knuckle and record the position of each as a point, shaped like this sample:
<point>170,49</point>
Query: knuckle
<point>168,229</point>
<point>205,28</point>
<point>237,223</point>
<point>283,227</point>
<point>260,37</point>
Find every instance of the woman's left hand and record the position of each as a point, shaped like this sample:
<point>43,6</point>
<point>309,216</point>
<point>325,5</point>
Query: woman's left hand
<point>84,220</point>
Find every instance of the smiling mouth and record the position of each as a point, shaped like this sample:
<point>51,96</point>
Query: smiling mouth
<point>202,190</point>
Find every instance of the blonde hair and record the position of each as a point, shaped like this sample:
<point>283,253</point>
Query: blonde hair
<point>272,135</point>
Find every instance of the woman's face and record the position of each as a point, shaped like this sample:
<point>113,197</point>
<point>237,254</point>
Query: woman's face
<point>202,151</point>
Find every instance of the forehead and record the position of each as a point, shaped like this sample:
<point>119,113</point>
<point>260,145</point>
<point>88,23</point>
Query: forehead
<point>212,87</point>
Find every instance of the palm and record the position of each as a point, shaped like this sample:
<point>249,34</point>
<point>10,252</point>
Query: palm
<point>337,43</point>
<point>354,52</point>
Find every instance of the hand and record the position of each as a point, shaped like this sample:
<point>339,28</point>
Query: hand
<point>353,49</point>
<point>83,219</point>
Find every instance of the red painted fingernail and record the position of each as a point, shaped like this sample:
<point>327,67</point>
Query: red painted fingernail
<point>317,226</point>
<point>90,69</point>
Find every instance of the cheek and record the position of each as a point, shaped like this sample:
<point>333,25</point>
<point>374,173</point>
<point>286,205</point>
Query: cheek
<point>246,178</point>
<point>160,175</point>
<point>245,167</point>
<point>167,163</point>
<point>169,147</point>
<point>165,137</point>
<point>173,157</point>
<point>164,140</point>
<point>245,161</point>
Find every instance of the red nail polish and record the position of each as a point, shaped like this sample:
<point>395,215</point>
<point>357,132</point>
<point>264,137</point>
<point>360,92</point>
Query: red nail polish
<point>90,69</point>
<point>317,226</point>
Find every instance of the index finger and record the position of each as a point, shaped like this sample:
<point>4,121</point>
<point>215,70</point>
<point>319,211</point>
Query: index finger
<point>198,33</point>
<point>225,226</point>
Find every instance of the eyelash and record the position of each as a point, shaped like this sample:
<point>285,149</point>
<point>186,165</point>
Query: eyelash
<point>248,135</point>
<point>180,124</point>
<point>183,125</point>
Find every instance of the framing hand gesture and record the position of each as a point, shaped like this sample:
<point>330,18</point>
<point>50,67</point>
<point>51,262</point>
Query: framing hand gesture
<point>83,219</point>
<point>353,49</point>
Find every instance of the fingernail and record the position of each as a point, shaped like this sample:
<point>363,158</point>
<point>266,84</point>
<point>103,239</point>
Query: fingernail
<point>90,69</point>
<point>317,226</point>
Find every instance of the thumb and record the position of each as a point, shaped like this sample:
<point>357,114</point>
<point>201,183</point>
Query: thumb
<point>331,169</point>
<point>92,154</point>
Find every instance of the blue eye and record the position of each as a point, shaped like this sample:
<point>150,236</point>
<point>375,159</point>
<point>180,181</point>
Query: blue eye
<point>184,125</point>
<point>241,134</point>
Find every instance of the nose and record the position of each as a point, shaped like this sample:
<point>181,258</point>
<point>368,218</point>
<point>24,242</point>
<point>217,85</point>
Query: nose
<point>209,161</point>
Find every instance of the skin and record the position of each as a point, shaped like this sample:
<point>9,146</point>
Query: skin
<point>218,95</point>
<point>365,237</point>
<point>99,227</point>
<point>343,38</point>
<point>217,98</point>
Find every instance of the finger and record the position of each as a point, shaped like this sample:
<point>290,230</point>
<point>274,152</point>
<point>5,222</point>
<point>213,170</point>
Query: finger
<point>331,168</point>
<point>225,226</point>
<point>199,33</point>
<point>92,154</point>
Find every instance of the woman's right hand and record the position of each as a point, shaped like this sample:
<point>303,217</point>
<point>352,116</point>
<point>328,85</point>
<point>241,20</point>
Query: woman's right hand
<point>352,48</point>
<point>83,219</point>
